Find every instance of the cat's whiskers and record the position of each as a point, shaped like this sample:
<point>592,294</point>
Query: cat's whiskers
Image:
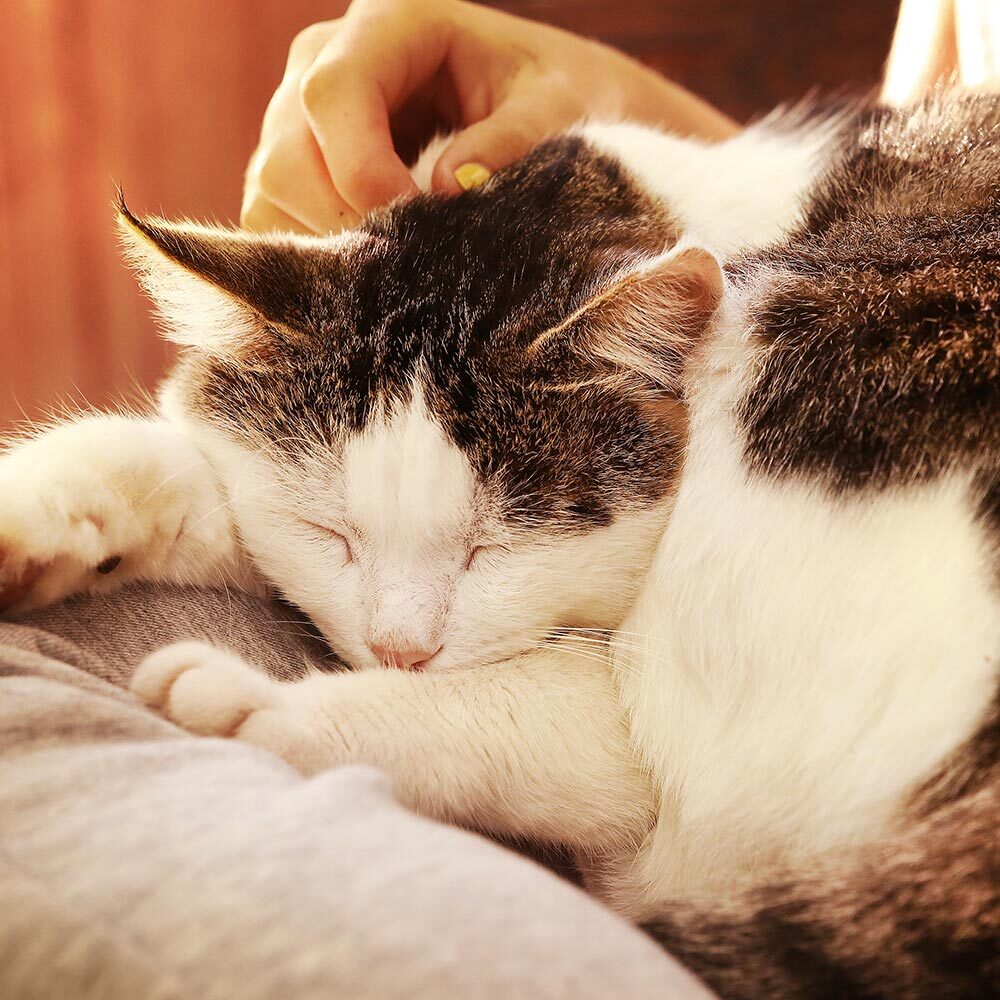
<point>229,600</point>
<point>633,664</point>
<point>607,631</point>
<point>182,471</point>
<point>590,653</point>
<point>226,502</point>
<point>628,655</point>
<point>572,651</point>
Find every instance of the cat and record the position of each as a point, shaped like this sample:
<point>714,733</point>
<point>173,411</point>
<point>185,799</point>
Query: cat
<point>778,490</point>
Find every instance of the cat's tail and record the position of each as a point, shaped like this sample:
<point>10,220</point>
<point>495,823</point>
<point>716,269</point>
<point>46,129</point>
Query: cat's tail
<point>917,916</point>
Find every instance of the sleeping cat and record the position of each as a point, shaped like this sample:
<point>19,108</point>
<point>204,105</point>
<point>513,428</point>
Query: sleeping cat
<point>457,435</point>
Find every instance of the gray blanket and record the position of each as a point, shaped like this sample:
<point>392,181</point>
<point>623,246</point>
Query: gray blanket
<point>139,862</point>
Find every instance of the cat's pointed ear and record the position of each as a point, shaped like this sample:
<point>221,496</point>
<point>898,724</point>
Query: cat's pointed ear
<point>646,320</point>
<point>221,291</point>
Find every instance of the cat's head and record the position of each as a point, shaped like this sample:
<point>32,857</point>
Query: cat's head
<point>456,429</point>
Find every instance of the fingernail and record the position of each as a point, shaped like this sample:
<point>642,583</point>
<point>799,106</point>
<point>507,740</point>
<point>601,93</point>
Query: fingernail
<point>471,175</point>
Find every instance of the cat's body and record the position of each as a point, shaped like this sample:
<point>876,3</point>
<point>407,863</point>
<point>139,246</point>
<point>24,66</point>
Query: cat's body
<point>839,474</point>
<point>850,418</point>
<point>802,700</point>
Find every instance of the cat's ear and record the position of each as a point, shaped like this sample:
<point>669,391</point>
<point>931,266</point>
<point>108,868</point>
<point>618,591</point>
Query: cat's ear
<point>646,320</point>
<point>221,291</point>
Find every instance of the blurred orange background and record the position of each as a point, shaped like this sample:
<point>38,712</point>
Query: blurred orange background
<point>166,99</point>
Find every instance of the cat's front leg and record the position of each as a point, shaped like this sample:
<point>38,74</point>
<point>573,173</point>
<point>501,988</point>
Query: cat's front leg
<point>534,746</point>
<point>92,504</point>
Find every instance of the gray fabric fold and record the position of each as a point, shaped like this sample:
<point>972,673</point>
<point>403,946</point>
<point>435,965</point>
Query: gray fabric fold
<point>137,861</point>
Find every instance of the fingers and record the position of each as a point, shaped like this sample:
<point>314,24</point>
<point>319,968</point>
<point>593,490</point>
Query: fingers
<point>288,172</point>
<point>260,216</point>
<point>924,51</point>
<point>287,187</point>
<point>378,57</point>
<point>327,154</point>
<point>350,123</point>
<point>512,131</point>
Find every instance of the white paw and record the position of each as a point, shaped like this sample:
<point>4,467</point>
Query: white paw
<point>57,538</point>
<point>207,690</point>
<point>72,519</point>
<point>211,692</point>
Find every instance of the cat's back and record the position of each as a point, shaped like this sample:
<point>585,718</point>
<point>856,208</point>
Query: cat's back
<point>877,335</point>
<point>823,609</point>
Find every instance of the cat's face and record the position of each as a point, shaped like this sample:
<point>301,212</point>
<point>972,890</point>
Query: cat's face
<point>402,552</point>
<point>457,430</point>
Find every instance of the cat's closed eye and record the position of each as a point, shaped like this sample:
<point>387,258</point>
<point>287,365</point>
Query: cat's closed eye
<point>326,530</point>
<point>479,554</point>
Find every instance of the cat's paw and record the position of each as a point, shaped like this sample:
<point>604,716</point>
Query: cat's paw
<point>85,507</point>
<point>59,534</point>
<point>212,692</point>
<point>206,690</point>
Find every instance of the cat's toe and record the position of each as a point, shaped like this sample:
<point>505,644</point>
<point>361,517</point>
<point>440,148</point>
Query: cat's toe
<point>50,548</point>
<point>17,576</point>
<point>208,691</point>
<point>155,676</point>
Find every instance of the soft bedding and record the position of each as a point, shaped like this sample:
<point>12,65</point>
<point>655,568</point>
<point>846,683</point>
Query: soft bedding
<point>137,861</point>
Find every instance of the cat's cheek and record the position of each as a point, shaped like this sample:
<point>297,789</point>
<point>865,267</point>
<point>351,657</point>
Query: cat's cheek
<point>480,633</point>
<point>333,598</point>
<point>465,636</point>
<point>343,624</point>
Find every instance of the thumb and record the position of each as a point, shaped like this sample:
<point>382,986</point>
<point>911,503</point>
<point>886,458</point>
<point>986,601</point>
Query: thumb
<point>512,131</point>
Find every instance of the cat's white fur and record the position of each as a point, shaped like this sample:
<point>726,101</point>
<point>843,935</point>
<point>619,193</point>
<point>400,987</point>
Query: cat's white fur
<point>732,196</point>
<point>810,660</point>
<point>761,704</point>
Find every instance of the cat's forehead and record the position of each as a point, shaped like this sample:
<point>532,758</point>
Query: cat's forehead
<point>438,300</point>
<point>563,207</point>
<point>404,479</point>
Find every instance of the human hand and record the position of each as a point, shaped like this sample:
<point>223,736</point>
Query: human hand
<point>358,91</point>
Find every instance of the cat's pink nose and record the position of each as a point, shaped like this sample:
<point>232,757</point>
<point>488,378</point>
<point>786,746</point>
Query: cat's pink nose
<point>409,658</point>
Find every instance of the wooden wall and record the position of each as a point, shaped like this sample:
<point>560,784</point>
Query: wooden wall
<point>166,99</point>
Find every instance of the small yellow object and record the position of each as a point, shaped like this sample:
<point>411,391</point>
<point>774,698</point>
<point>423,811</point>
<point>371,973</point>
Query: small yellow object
<point>471,175</point>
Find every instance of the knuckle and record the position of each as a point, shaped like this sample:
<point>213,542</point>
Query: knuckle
<point>270,175</point>
<point>307,43</point>
<point>556,105</point>
<point>253,214</point>
<point>361,180</point>
<point>275,166</point>
<point>317,84</point>
<point>252,174</point>
<point>515,138</point>
<point>564,100</point>
<point>355,174</point>
<point>282,111</point>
